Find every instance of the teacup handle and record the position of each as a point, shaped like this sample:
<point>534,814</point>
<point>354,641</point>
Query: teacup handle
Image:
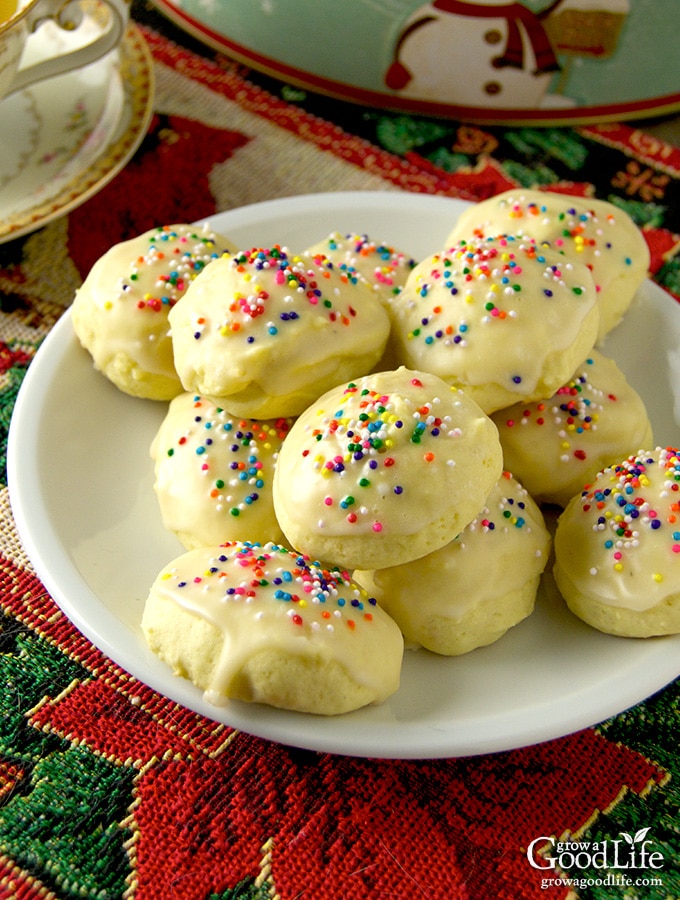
<point>69,15</point>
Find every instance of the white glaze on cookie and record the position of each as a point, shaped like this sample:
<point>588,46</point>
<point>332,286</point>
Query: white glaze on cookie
<point>558,445</point>
<point>595,232</point>
<point>266,598</point>
<point>120,314</point>
<point>214,473</point>
<point>264,333</point>
<point>382,266</point>
<point>619,541</point>
<point>500,317</point>
<point>394,463</point>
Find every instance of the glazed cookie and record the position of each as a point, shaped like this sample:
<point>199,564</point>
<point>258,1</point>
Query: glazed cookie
<point>471,591</point>
<point>594,232</point>
<point>501,318</point>
<point>264,624</point>
<point>384,469</point>
<point>617,547</point>
<point>382,266</point>
<point>120,313</point>
<point>556,446</point>
<point>264,333</point>
<point>214,472</point>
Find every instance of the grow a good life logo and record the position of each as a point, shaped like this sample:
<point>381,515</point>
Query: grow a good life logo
<point>615,862</point>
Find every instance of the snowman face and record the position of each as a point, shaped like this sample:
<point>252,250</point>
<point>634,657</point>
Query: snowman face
<point>464,54</point>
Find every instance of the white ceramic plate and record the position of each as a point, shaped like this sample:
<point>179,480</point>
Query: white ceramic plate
<point>64,138</point>
<point>81,487</point>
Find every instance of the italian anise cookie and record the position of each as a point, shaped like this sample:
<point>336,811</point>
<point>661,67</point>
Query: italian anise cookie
<point>263,333</point>
<point>384,469</point>
<point>501,318</point>
<point>617,547</point>
<point>214,473</point>
<point>594,232</point>
<point>383,267</point>
<point>264,624</point>
<point>120,313</point>
<point>558,445</point>
<point>471,591</point>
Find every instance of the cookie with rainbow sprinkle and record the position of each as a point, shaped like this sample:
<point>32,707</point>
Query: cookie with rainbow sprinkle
<point>384,469</point>
<point>594,232</point>
<point>501,318</point>
<point>263,332</point>
<point>471,591</point>
<point>214,473</point>
<point>264,624</point>
<point>120,313</point>
<point>558,445</point>
<point>384,267</point>
<point>617,547</point>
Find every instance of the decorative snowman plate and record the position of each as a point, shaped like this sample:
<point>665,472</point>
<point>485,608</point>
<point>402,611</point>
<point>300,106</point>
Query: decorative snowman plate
<point>81,484</point>
<point>489,61</point>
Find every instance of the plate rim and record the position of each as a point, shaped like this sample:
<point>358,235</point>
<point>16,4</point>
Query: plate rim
<point>201,30</point>
<point>279,725</point>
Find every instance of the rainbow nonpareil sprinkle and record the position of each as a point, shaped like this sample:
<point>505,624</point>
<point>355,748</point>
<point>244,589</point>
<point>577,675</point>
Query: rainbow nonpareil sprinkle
<point>161,275</point>
<point>633,500</point>
<point>313,596</point>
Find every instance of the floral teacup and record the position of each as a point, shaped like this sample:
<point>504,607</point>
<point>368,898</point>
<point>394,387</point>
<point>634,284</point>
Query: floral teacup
<point>16,31</point>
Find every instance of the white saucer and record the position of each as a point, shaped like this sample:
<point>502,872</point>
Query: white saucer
<point>64,138</point>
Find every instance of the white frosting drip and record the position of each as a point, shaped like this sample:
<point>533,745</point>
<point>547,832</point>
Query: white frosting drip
<point>619,541</point>
<point>267,597</point>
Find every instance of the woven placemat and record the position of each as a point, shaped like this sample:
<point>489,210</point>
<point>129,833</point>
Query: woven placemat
<point>108,790</point>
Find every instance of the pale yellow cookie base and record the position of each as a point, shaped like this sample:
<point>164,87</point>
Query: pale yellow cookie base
<point>130,378</point>
<point>661,619</point>
<point>189,645</point>
<point>192,648</point>
<point>617,300</point>
<point>482,625</point>
<point>302,684</point>
<point>121,368</point>
<point>257,402</point>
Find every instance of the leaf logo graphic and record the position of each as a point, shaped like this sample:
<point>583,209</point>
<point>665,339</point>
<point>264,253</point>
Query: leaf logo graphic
<point>639,836</point>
